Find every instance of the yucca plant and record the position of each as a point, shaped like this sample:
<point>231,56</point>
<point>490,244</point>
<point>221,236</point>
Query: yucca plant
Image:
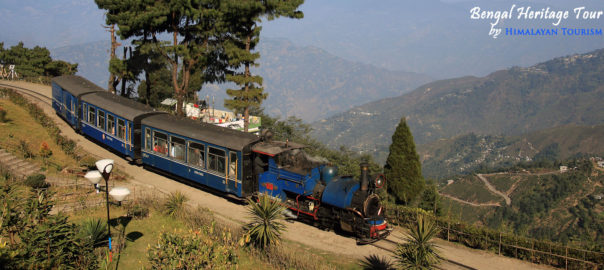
<point>266,227</point>
<point>375,262</point>
<point>175,205</point>
<point>419,252</point>
<point>94,232</point>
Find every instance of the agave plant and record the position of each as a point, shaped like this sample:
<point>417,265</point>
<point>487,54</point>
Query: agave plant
<point>265,229</point>
<point>174,206</point>
<point>94,231</point>
<point>419,252</point>
<point>375,262</point>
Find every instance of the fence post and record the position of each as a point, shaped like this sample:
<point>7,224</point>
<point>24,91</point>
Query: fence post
<point>448,228</point>
<point>566,259</point>
<point>533,252</point>
<point>499,243</point>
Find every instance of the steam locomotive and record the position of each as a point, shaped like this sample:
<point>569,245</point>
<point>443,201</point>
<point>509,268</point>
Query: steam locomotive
<point>236,163</point>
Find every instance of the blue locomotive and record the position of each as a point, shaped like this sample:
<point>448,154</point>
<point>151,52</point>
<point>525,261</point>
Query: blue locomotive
<point>236,163</point>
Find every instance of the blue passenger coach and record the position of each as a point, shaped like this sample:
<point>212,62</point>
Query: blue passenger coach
<point>115,121</point>
<point>67,92</point>
<point>207,154</point>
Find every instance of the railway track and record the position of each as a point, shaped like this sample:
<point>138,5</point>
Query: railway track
<point>391,246</point>
<point>40,97</point>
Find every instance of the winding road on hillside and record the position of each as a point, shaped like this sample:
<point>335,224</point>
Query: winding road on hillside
<point>507,199</point>
<point>466,202</point>
<point>236,214</point>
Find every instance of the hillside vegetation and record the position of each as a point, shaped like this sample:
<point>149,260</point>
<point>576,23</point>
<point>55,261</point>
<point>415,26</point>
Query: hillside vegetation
<point>546,203</point>
<point>562,91</point>
<point>467,153</point>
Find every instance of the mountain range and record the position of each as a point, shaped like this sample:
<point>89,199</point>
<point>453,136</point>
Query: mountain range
<point>306,82</point>
<point>510,102</point>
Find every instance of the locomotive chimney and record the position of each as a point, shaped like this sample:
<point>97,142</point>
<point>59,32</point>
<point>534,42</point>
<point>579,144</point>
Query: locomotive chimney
<point>364,176</point>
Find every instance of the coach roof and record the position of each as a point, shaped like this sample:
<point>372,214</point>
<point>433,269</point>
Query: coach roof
<point>118,105</point>
<point>213,134</point>
<point>76,85</point>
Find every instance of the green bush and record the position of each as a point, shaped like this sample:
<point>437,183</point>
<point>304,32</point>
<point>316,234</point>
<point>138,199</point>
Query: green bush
<point>36,181</point>
<point>3,116</point>
<point>138,211</point>
<point>192,250</point>
<point>93,232</point>
<point>175,204</point>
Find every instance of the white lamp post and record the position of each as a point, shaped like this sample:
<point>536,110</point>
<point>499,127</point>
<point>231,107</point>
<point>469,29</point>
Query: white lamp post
<point>104,168</point>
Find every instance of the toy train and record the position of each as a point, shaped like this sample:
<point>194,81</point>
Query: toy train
<point>233,162</point>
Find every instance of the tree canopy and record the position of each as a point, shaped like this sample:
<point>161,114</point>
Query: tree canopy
<point>35,62</point>
<point>403,168</point>
<point>243,34</point>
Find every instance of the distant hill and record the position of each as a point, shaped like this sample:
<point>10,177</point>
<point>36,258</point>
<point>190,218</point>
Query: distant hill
<point>92,59</point>
<point>306,82</point>
<point>562,91</point>
<point>464,154</point>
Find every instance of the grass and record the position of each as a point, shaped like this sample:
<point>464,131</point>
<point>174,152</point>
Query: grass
<point>470,189</point>
<point>464,212</point>
<point>21,127</point>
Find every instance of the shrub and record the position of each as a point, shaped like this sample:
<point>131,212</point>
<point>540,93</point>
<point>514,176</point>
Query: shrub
<point>192,250</point>
<point>3,116</point>
<point>45,151</point>
<point>93,232</point>
<point>36,181</point>
<point>175,205</point>
<point>373,262</point>
<point>265,228</point>
<point>419,252</point>
<point>24,149</point>
<point>138,211</point>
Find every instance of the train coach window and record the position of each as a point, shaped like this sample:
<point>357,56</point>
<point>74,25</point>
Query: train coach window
<point>121,129</point>
<point>91,115</point>
<point>101,120</point>
<point>196,154</point>
<point>160,143</point>
<point>177,148</point>
<point>111,124</point>
<point>233,165</point>
<point>216,160</point>
<point>148,141</point>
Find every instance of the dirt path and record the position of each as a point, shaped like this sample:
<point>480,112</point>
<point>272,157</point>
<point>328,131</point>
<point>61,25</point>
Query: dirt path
<point>470,203</point>
<point>507,199</point>
<point>298,232</point>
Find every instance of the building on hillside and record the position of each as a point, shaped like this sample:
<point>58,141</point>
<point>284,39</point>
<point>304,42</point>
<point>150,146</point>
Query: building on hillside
<point>563,169</point>
<point>601,164</point>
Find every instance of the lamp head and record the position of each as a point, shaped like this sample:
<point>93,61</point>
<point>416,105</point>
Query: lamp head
<point>104,165</point>
<point>119,193</point>
<point>93,176</point>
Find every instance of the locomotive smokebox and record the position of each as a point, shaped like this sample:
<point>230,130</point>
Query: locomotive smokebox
<point>364,176</point>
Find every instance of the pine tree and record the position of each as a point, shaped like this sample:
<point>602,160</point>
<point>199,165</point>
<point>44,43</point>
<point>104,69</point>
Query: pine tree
<point>403,168</point>
<point>195,36</point>
<point>241,19</point>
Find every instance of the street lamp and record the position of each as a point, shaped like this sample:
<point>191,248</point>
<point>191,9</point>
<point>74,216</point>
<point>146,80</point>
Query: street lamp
<point>104,168</point>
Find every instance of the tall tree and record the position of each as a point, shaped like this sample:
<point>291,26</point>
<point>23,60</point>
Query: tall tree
<point>403,168</point>
<point>242,18</point>
<point>114,62</point>
<point>194,28</point>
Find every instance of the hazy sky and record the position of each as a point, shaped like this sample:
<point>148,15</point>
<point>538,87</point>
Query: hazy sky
<point>426,36</point>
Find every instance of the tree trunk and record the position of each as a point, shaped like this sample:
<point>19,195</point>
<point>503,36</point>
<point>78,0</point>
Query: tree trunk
<point>114,44</point>
<point>246,111</point>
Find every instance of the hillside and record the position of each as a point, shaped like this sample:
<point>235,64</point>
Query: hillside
<point>545,203</point>
<point>565,90</point>
<point>467,153</point>
<point>307,82</point>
